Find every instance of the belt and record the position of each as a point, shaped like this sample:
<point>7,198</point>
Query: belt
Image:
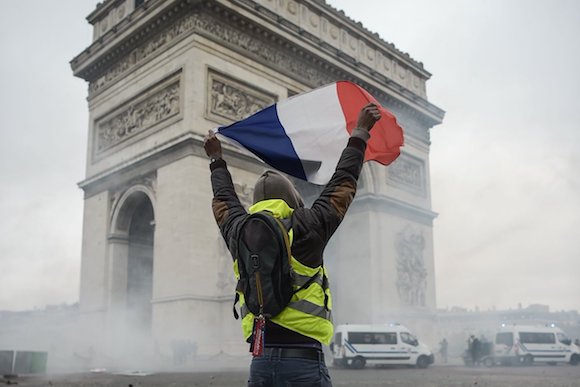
<point>300,353</point>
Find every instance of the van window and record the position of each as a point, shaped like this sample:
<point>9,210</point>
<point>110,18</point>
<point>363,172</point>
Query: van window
<point>338,338</point>
<point>385,338</point>
<point>408,338</point>
<point>537,338</point>
<point>506,338</point>
<point>359,337</point>
<point>562,338</point>
<point>372,337</point>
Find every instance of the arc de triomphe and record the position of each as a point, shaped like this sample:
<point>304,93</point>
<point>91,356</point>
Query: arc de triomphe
<point>161,73</point>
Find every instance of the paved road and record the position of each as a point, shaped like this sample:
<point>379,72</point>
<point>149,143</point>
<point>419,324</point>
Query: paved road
<point>436,376</point>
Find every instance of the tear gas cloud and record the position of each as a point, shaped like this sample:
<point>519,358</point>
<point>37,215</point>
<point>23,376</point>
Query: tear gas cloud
<point>502,173</point>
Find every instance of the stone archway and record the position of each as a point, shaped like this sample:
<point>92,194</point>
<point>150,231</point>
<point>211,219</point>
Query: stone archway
<point>131,246</point>
<point>140,266</point>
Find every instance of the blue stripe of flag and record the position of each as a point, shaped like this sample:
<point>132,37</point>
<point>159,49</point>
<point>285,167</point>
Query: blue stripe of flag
<point>263,135</point>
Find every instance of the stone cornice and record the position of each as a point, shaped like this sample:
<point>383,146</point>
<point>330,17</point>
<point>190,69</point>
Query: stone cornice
<point>142,163</point>
<point>188,144</point>
<point>330,59</point>
<point>297,54</point>
<point>133,30</point>
<point>318,6</point>
<point>101,9</point>
<point>383,203</point>
<point>359,26</point>
<point>356,28</point>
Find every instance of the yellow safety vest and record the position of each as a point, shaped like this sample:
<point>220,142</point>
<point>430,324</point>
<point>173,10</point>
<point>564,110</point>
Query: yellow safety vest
<point>306,313</point>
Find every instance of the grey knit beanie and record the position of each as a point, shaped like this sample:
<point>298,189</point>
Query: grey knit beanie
<point>273,185</point>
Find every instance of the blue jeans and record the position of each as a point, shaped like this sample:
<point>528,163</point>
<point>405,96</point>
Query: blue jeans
<point>273,371</point>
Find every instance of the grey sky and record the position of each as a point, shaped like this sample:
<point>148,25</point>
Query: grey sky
<point>504,168</point>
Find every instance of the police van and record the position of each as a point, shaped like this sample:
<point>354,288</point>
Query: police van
<point>526,344</point>
<point>355,346</point>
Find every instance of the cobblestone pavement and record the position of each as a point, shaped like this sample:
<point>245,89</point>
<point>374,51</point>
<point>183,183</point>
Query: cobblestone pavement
<point>435,376</point>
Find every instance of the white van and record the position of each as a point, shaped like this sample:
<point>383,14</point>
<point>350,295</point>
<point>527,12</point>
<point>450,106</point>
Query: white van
<point>526,344</point>
<point>356,345</point>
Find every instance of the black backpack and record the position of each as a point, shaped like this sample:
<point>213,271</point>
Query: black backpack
<point>263,254</point>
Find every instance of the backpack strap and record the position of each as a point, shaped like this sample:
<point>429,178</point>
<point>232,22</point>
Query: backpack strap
<point>286,239</point>
<point>325,286</point>
<point>236,299</point>
<point>303,305</point>
<point>307,306</point>
<point>287,242</point>
<point>306,284</point>
<point>324,281</point>
<point>239,287</point>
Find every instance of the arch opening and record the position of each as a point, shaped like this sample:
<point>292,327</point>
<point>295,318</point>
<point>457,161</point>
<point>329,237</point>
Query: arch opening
<point>139,290</point>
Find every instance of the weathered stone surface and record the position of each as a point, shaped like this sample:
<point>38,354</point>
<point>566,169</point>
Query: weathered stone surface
<point>165,72</point>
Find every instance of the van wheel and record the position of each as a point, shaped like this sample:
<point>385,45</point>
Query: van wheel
<point>528,360</point>
<point>575,359</point>
<point>358,363</point>
<point>422,362</point>
<point>488,362</point>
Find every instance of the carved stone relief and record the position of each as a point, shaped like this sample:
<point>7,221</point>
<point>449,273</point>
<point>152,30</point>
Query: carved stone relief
<point>112,17</point>
<point>292,7</point>
<point>411,271</point>
<point>357,44</point>
<point>137,116</point>
<point>205,24</point>
<point>243,39</point>
<point>233,100</point>
<point>143,52</point>
<point>256,47</point>
<point>408,173</point>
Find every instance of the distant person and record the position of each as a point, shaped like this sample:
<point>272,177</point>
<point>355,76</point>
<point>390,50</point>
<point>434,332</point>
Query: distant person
<point>469,352</point>
<point>292,350</point>
<point>179,351</point>
<point>443,349</point>
<point>485,347</point>
<point>475,350</point>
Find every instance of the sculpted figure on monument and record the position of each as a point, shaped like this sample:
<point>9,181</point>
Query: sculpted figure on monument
<point>233,103</point>
<point>138,117</point>
<point>412,274</point>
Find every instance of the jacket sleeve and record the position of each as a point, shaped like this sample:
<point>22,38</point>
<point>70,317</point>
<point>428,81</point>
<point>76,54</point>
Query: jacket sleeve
<point>227,209</point>
<point>314,226</point>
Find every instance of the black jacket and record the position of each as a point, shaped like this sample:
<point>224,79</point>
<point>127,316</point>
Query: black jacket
<point>312,227</point>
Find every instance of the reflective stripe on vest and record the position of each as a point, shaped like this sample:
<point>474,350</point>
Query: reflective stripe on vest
<point>300,280</point>
<point>302,306</point>
<point>312,309</point>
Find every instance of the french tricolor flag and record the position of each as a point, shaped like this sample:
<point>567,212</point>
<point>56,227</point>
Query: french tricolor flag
<point>304,135</point>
